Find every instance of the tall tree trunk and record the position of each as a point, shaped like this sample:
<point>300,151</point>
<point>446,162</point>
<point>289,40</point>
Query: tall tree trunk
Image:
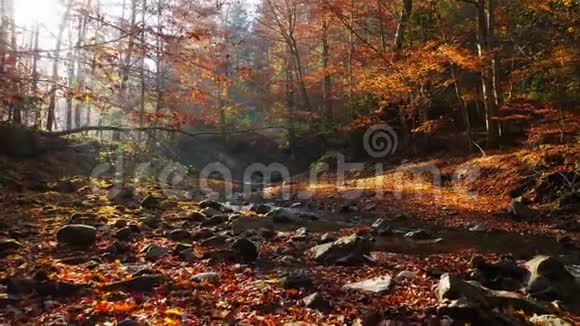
<point>327,82</point>
<point>69,98</point>
<point>80,78</point>
<point>350,60</point>
<point>143,54</point>
<point>159,68</point>
<point>402,28</point>
<point>15,87</point>
<point>34,92</point>
<point>382,24</point>
<point>483,48</point>
<point>94,59</point>
<point>125,69</point>
<point>50,121</point>
<point>398,45</point>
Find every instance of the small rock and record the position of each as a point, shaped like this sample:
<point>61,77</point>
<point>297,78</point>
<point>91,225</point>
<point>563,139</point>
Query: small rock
<point>297,281</point>
<point>124,234</point>
<point>350,250</point>
<point>418,235</point>
<point>202,234</point>
<point>151,202</point>
<point>317,301</point>
<point>550,320</point>
<point>120,223</point>
<point>303,231</point>
<point>141,283</point>
<point>245,250</point>
<point>267,234</point>
<point>215,220</point>
<point>281,216</point>
<point>209,212</point>
<point>381,227</point>
<point>181,247</point>
<point>154,252</point>
<point>116,248</point>
<point>520,210</point>
<point>215,241</point>
<point>129,322</point>
<point>179,235</point>
<point>208,203</point>
<point>478,228</point>
<point>151,221</point>
<point>77,235</point>
<point>377,285</point>
<point>9,245</point>
<point>261,209</point>
<point>186,255</point>
<point>196,216</point>
<point>327,237</point>
<point>406,275</point>
<point>209,277</point>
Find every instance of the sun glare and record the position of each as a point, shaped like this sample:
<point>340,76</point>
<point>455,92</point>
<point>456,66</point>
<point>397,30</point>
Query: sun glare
<point>45,12</point>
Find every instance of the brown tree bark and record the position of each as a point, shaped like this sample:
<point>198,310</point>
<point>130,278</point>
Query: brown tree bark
<point>327,81</point>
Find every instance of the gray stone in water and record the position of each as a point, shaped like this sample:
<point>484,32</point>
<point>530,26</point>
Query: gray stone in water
<point>77,235</point>
<point>381,227</point>
<point>378,285</point>
<point>349,250</point>
<point>282,216</point>
<point>418,235</point>
<point>209,277</point>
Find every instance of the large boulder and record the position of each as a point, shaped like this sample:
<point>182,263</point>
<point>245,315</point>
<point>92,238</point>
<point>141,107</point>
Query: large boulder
<point>349,250</point>
<point>504,274</point>
<point>550,280</point>
<point>472,295</point>
<point>77,235</point>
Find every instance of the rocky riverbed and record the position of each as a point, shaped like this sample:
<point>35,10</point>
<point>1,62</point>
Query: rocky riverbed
<point>81,258</point>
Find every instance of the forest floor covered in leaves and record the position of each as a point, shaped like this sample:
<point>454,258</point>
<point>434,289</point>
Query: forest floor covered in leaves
<point>72,254</point>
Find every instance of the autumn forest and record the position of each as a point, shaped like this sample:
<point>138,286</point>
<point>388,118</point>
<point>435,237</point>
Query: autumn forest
<point>289,162</point>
